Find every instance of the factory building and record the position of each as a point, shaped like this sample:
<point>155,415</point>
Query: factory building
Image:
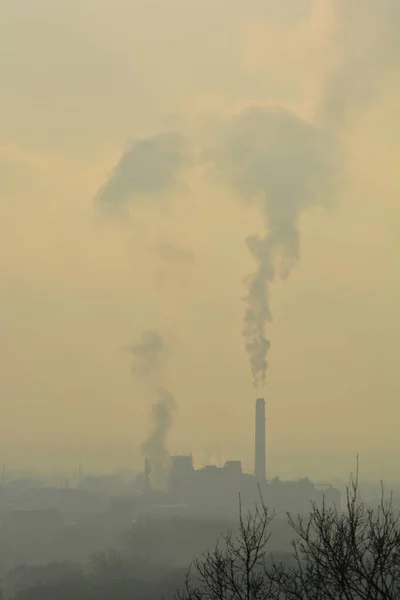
<point>216,490</point>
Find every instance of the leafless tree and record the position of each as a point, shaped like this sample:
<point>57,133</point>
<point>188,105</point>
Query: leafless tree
<point>235,568</point>
<point>349,555</point>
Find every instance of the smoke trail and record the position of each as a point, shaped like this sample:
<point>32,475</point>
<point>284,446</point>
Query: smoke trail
<point>155,446</point>
<point>150,165</point>
<point>272,156</point>
<point>258,313</point>
<point>149,353</point>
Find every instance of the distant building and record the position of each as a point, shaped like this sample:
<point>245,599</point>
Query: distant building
<point>219,487</point>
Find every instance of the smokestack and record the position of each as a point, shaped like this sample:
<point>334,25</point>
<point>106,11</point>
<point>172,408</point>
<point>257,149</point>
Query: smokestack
<point>260,450</point>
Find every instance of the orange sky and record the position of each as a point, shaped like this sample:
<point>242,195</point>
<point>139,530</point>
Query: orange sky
<point>80,80</point>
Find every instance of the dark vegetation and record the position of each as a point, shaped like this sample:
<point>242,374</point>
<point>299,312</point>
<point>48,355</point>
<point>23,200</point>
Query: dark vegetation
<point>349,555</point>
<point>354,555</point>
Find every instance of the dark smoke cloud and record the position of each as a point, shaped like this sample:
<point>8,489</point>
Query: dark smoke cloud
<point>273,157</point>
<point>170,253</point>
<point>149,166</point>
<point>149,353</point>
<point>368,43</point>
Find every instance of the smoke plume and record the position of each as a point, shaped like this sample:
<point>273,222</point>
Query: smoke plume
<point>368,56</point>
<point>149,353</point>
<point>149,166</point>
<point>275,158</point>
<point>155,446</point>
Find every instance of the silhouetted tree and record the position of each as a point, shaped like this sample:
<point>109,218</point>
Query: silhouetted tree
<point>236,568</point>
<point>349,555</point>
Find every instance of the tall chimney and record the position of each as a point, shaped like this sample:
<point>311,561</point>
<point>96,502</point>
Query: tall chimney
<point>260,450</point>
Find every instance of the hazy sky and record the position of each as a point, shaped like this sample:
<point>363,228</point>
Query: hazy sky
<point>86,268</point>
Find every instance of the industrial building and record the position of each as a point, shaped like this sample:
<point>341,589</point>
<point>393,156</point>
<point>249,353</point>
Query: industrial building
<point>215,490</point>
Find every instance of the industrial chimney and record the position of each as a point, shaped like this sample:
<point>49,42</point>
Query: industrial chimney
<point>260,450</point>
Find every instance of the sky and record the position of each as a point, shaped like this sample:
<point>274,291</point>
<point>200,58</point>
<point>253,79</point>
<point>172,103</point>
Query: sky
<point>142,143</point>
